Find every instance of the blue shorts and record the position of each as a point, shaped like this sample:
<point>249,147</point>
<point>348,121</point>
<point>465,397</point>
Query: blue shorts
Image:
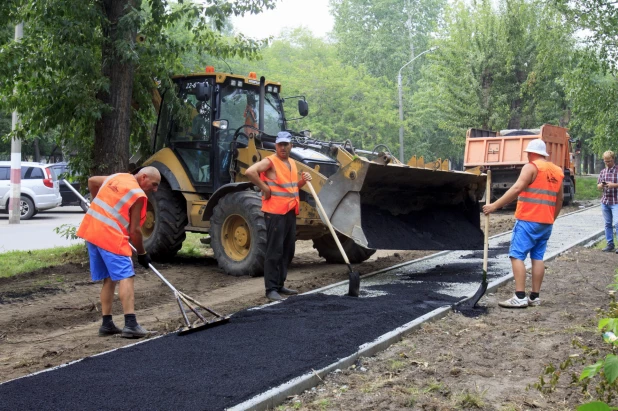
<point>104,264</point>
<point>530,238</point>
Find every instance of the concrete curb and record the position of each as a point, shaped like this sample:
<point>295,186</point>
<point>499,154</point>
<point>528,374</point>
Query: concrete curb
<point>275,396</point>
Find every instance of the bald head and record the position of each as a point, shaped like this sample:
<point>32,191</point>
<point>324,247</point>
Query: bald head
<point>148,179</point>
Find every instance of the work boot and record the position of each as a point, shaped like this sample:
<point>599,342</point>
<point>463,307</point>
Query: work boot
<point>609,248</point>
<point>287,291</point>
<point>135,332</point>
<point>109,329</point>
<point>273,296</point>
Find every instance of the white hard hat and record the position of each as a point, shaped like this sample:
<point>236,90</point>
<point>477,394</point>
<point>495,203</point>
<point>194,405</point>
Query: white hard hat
<point>537,146</point>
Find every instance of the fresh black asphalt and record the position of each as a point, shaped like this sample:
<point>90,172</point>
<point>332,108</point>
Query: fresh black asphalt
<point>223,366</point>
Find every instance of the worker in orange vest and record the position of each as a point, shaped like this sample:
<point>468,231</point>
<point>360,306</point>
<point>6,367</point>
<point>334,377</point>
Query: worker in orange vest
<point>115,216</point>
<point>539,199</point>
<point>277,177</point>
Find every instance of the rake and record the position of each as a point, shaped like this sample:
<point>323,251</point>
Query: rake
<point>181,297</point>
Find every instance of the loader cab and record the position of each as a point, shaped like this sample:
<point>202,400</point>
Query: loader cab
<point>193,126</point>
<point>239,106</point>
<point>185,126</point>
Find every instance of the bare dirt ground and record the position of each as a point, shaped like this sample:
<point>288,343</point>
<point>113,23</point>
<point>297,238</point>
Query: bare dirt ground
<point>51,316</point>
<point>485,363</point>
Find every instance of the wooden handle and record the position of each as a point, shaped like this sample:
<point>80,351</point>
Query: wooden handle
<point>487,201</point>
<point>327,221</point>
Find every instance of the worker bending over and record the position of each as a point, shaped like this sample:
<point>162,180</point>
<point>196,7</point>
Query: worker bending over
<point>115,216</point>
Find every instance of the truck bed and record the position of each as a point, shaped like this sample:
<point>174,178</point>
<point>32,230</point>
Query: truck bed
<point>490,150</point>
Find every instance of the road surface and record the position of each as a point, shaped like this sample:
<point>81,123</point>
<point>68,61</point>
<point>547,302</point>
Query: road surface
<point>38,232</point>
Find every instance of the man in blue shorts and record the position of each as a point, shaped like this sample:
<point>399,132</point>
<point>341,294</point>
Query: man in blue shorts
<point>539,199</point>
<point>115,216</point>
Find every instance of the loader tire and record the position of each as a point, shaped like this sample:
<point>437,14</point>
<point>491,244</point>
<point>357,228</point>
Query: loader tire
<point>238,234</point>
<point>166,218</point>
<point>327,249</point>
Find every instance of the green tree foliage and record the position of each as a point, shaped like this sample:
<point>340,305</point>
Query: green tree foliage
<point>495,68</point>
<point>345,102</point>
<point>599,19</point>
<point>593,93</point>
<point>80,70</point>
<point>383,35</point>
<point>592,84</point>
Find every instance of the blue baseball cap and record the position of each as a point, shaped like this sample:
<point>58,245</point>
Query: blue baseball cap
<point>283,137</point>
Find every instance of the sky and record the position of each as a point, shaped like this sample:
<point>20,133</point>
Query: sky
<point>312,14</point>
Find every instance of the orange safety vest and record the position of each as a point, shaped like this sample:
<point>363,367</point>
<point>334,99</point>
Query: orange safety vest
<point>106,224</point>
<point>537,203</point>
<point>283,190</point>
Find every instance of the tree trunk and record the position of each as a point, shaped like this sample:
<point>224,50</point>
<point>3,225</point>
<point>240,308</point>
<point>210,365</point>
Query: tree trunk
<point>515,120</point>
<point>37,151</point>
<point>586,165</point>
<point>598,164</point>
<point>112,131</point>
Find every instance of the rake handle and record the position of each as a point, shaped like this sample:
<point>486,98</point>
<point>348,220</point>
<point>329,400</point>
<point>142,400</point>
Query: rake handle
<point>330,227</point>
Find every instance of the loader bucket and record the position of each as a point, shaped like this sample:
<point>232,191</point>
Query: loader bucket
<point>398,207</point>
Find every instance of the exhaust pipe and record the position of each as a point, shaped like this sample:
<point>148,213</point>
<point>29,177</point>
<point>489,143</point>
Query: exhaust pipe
<point>262,98</point>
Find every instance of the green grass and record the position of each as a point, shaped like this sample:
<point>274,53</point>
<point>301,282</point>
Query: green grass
<point>17,262</point>
<point>192,247</point>
<point>396,365</point>
<point>586,188</point>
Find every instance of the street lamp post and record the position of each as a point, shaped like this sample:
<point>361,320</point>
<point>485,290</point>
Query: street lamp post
<point>401,158</point>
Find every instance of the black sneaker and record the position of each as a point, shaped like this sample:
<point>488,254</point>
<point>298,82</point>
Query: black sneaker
<point>273,296</point>
<point>109,329</point>
<point>287,291</point>
<point>608,249</point>
<point>135,332</point>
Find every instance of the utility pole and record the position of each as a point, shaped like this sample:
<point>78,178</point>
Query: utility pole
<point>15,200</point>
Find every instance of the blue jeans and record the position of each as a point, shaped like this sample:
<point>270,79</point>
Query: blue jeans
<point>610,215</point>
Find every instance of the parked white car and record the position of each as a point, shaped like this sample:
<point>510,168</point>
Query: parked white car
<point>40,189</point>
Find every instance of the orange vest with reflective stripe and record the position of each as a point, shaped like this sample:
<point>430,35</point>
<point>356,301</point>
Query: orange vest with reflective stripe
<point>106,224</point>
<point>283,190</point>
<point>537,203</point>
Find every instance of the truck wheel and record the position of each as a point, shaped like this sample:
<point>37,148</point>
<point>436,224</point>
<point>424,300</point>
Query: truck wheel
<point>238,234</point>
<point>569,196</point>
<point>327,249</point>
<point>166,218</point>
<point>26,208</point>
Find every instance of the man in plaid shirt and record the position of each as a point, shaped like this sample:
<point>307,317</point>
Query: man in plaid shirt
<point>608,182</point>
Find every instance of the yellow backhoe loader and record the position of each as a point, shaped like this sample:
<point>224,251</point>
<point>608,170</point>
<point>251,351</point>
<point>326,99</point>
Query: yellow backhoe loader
<point>215,125</point>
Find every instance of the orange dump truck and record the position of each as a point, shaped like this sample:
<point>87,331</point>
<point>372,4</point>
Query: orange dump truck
<point>503,153</point>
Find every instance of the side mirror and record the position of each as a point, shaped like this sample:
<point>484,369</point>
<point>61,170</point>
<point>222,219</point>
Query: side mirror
<point>203,91</point>
<point>220,124</point>
<point>303,108</point>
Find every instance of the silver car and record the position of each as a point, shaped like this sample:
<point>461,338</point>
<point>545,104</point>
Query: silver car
<point>40,189</point>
